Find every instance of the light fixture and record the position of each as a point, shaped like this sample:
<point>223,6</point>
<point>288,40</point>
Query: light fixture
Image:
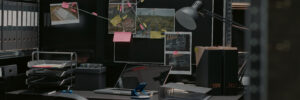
<point>187,16</point>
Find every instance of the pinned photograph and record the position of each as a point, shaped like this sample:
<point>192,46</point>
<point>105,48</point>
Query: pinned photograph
<point>178,50</point>
<point>178,41</point>
<point>122,17</point>
<point>181,63</point>
<point>64,13</point>
<point>153,22</point>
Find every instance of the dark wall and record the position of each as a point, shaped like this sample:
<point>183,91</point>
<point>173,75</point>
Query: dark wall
<point>90,38</point>
<point>90,35</point>
<point>238,34</point>
<point>152,50</point>
<point>85,37</point>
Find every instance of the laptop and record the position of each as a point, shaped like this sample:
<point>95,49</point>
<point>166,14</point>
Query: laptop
<point>154,75</point>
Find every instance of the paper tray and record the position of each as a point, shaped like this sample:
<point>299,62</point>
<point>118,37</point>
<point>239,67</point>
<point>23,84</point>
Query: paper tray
<point>51,64</point>
<point>43,82</point>
<point>49,73</point>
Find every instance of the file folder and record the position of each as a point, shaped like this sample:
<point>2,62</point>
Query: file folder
<point>5,34</point>
<point>19,25</point>
<point>13,31</point>
<point>1,11</point>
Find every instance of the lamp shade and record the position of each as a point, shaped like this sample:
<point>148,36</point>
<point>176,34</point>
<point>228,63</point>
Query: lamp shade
<point>187,16</point>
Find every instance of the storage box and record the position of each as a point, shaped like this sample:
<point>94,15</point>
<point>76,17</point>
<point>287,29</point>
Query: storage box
<point>90,77</point>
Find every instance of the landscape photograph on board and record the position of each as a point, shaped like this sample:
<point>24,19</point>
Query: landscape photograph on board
<point>153,22</point>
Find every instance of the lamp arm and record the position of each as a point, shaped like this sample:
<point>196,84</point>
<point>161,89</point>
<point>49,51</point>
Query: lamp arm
<point>225,20</point>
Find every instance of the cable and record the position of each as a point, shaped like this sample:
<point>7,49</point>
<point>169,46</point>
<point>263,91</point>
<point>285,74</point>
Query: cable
<point>94,15</point>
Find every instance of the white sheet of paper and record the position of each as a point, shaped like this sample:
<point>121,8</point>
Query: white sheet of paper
<point>32,19</point>
<point>9,18</point>
<point>5,18</point>
<point>24,18</point>
<point>28,18</point>
<point>0,17</point>
<point>14,19</point>
<point>19,18</point>
<point>36,19</point>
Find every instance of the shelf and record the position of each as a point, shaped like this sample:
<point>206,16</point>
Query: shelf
<point>240,5</point>
<point>7,54</point>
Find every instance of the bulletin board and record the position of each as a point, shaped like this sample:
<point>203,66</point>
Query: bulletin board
<point>147,50</point>
<point>97,39</point>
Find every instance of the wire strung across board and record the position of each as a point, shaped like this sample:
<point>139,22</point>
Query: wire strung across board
<point>108,19</point>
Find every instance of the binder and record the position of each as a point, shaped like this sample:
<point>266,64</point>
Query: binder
<point>5,34</point>
<point>24,32</point>
<point>32,29</point>
<point>9,35</point>
<point>1,11</point>
<point>29,27</point>
<point>35,25</point>
<point>19,25</point>
<point>13,31</point>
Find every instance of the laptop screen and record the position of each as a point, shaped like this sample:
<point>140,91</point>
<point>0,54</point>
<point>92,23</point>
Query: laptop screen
<point>153,75</point>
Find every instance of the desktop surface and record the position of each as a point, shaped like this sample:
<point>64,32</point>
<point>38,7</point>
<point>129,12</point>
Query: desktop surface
<point>90,95</point>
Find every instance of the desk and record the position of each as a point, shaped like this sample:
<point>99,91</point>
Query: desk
<point>90,95</point>
<point>94,96</point>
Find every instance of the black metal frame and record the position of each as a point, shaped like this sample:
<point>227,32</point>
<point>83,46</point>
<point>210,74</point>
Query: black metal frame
<point>228,26</point>
<point>256,44</point>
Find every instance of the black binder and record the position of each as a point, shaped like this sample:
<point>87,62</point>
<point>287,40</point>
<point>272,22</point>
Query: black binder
<point>13,32</point>
<point>25,35</point>
<point>35,25</point>
<point>5,34</point>
<point>32,29</point>
<point>1,24</point>
<point>19,25</point>
<point>9,34</point>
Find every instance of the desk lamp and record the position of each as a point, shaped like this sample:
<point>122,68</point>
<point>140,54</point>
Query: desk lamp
<point>187,16</point>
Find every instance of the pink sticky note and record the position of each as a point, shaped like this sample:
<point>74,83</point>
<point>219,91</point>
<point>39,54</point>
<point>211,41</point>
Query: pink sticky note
<point>175,52</point>
<point>121,8</point>
<point>129,4</point>
<point>65,5</point>
<point>142,27</point>
<point>94,13</point>
<point>122,37</point>
<point>73,10</point>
